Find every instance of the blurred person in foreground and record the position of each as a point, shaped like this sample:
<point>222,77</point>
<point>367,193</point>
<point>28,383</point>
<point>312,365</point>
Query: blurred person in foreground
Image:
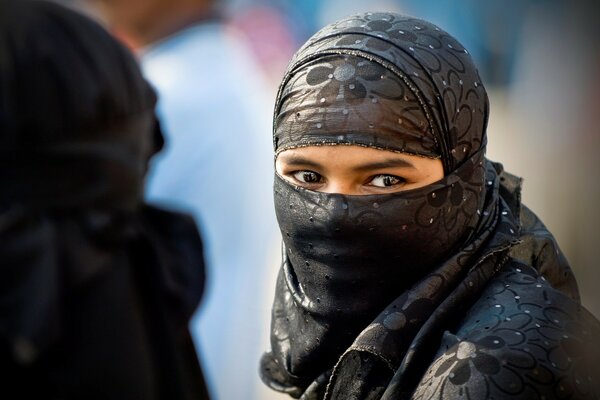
<point>96,287</point>
<point>216,164</point>
<point>410,268</point>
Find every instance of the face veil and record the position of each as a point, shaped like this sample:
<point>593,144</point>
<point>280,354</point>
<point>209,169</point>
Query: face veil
<point>395,83</point>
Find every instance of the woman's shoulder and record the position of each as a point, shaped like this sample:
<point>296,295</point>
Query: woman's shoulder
<point>539,249</point>
<point>537,246</point>
<point>522,339</point>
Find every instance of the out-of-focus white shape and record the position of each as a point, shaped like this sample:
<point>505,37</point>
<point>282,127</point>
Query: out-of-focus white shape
<point>217,164</point>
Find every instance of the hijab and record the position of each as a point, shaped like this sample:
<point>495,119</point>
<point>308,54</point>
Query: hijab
<point>77,130</point>
<point>369,284</point>
<point>72,99</point>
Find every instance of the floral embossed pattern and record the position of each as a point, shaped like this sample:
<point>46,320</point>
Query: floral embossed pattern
<point>430,63</point>
<point>518,341</point>
<point>348,80</point>
<point>351,100</point>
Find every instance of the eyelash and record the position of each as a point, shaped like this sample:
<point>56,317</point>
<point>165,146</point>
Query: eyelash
<point>397,180</point>
<point>305,177</point>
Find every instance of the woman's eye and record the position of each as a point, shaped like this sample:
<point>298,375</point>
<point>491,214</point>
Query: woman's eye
<point>385,181</point>
<point>307,177</point>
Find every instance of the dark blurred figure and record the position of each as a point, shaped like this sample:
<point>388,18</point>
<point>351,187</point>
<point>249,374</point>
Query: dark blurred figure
<point>96,288</point>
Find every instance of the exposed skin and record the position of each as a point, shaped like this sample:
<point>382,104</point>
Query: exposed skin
<point>356,170</point>
<point>142,22</point>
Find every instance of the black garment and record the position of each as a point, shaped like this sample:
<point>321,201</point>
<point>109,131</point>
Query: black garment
<point>96,288</point>
<point>447,291</point>
<point>77,116</point>
<point>96,306</point>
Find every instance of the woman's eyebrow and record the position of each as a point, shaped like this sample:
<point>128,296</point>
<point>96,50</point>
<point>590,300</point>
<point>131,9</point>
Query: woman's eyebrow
<point>300,161</point>
<point>390,163</point>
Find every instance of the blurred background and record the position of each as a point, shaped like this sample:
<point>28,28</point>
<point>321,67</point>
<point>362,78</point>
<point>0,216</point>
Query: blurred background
<point>539,59</point>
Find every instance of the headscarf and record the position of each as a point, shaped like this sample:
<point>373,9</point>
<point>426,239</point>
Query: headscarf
<point>369,283</point>
<point>83,258</point>
<point>72,99</point>
<point>435,103</point>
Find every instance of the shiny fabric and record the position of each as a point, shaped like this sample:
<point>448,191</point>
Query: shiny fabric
<point>96,288</point>
<point>351,100</point>
<point>431,68</point>
<point>483,306</point>
<point>401,235</point>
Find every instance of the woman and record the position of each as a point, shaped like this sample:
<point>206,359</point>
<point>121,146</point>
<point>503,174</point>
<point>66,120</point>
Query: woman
<point>410,267</point>
<point>96,288</point>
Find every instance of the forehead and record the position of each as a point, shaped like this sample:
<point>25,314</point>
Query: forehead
<point>351,157</point>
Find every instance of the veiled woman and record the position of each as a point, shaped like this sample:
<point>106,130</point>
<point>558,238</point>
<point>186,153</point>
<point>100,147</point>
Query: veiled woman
<point>410,267</point>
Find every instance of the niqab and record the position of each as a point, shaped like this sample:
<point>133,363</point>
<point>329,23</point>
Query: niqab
<point>373,287</point>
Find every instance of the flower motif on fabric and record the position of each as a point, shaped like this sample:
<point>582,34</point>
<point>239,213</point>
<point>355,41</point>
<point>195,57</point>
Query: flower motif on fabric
<point>453,207</point>
<point>381,32</point>
<point>346,80</point>
<point>458,198</point>
<point>467,370</point>
<point>454,193</point>
<point>380,41</point>
<point>515,344</point>
<point>469,357</point>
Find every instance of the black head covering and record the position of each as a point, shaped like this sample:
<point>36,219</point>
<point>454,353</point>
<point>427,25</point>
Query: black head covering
<point>404,79</point>
<point>76,115</point>
<point>369,283</point>
<point>96,288</point>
